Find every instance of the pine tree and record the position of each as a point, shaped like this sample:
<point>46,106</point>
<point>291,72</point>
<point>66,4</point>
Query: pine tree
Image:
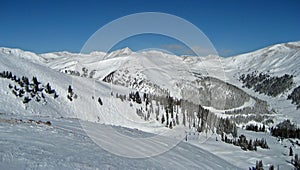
<point>167,117</point>
<point>34,79</point>
<point>38,99</point>
<point>48,89</point>
<point>70,95</point>
<point>26,100</point>
<point>162,119</point>
<point>138,98</point>
<point>9,75</point>
<point>171,125</point>
<point>55,95</point>
<point>183,119</point>
<point>259,165</point>
<point>271,167</point>
<point>177,119</point>
<point>291,152</point>
<point>70,90</point>
<point>10,86</point>
<point>250,146</point>
<point>100,101</point>
<point>234,133</point>
<point>21,93</point>
<point>296,161</point>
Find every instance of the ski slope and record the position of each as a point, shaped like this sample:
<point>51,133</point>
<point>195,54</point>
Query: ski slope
<point>64,145</point>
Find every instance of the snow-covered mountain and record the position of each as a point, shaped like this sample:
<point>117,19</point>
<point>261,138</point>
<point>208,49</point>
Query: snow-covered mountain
<point>174,92</point>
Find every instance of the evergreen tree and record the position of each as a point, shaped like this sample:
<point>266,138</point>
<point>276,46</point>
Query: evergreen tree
<point>70,90</point>
<point>48,89</point>
<point>21,93</point>
<point>171,125</point>
<point>183,119</point>
<point>259,165</point>
<point>138,98</point>
<point>26,100</point>
<point>296,161</point>
<point>177,119</point>
<point>234,133</point>
<point>34,79</point>
<point>162,119</point>
<point>250,146</point>
<point>291,152</point>
<point>100,101</point>
<point>10,75</point>
<point>271,167</point>
<point>10,86</point>
<point>38,99</point>
<point>55,95</point>
<point>70,95</point>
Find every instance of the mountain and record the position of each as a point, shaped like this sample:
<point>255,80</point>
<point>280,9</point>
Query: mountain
<point>151,92</point>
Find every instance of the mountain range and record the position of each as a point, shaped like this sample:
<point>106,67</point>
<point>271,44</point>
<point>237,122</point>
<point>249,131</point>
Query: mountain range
<point>148,92</point>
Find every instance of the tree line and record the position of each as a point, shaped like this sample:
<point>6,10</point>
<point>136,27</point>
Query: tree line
<point>28,90</point>
<point>266,84</point>
<point>171,111</point>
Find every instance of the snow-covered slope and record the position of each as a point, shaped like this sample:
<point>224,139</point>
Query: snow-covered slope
<point>179,76</point>
<point>275,60</point>
<point>64,145</point>
<point>86,90</point>
<point>207,81</point>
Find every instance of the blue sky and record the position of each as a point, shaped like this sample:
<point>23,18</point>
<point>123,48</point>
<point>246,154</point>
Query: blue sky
<point>232,26</point>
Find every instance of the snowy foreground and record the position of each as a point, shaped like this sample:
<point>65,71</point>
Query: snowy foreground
<point>64,145</point>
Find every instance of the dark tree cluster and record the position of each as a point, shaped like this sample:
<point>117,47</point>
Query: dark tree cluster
<point>213,92</point>
<point>109,77</point>
<point>295,97</point>
<point>259,165</point>
<point>84,72</point>
<point>285,129</point>
<point>258,113</point>
<point>121,77</point>
<point>135,97</point>
<point>71,94</point>
<point>246,144</point>
<point>28,90</point>
<point>167,110</point>
<point>122,97</point>
<point>256,128</point>
<point>72,72</point>
<point>264,83</point>
<point>226,126</point>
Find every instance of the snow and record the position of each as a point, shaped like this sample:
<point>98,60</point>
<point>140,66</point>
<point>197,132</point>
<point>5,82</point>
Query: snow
<point>221,113</point>
<point>66,145</point>
<point>277,155</point>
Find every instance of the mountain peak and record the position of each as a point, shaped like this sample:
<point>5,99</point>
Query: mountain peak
<point>121,52</point>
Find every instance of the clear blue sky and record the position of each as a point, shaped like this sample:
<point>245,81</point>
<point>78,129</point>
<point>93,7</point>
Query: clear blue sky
<point>233,26</point>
